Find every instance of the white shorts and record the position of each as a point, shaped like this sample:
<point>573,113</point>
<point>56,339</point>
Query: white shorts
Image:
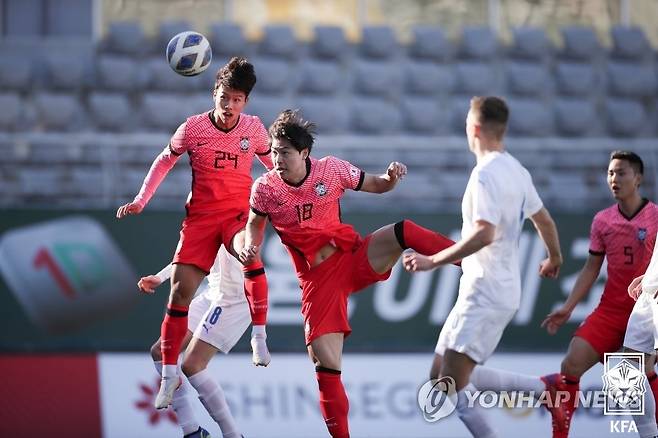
<point>641,328</point>
<point>220,326</point>
<point>473,330</point>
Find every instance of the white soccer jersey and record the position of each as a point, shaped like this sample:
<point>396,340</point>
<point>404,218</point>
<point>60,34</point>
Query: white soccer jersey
<point>499,191</point>
<point>225,280</point>
<point>650,280</point>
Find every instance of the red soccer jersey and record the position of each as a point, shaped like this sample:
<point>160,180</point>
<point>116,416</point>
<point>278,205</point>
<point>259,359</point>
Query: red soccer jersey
<point>627,243</point>
<point>307,216</point>
<point>220,160</point>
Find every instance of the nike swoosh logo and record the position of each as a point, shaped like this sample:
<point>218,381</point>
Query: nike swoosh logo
<point>202,143</point>
<point>280,203</point>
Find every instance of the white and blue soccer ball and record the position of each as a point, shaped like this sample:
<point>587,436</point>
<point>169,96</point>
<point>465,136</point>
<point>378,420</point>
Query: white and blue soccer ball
<point>189,53</point>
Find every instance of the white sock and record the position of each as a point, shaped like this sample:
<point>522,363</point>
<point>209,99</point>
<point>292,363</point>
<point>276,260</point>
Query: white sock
<point>169,371</point>
<point>491,379</point>
<point>258,330</point>
<point>473,416</point>
<point>212,397</point>
<point>181,403</point>
<point>646,424</point>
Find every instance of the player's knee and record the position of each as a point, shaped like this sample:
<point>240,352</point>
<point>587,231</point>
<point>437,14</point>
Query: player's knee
<point>191,366</point>
<point>156,353</point>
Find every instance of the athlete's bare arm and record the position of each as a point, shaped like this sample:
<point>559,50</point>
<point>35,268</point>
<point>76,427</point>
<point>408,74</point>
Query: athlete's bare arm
<point>482,235</point>
<point>386,181</point>
<point>584,282</point>
<point>547,231</point>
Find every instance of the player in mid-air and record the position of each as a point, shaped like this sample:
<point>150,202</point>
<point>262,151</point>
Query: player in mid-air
<point>218,317</point>
<point>625,235</point>
<point>300,197</point>
<point>499,197</point>
<point>221,144</point>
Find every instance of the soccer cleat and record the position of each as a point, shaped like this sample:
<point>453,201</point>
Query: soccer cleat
<point>200,433</point>
<point>560,415</point>
<point>261,355</point>
<point>168,385</point>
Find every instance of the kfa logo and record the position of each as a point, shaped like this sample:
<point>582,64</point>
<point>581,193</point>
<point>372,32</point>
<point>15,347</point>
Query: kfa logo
<point>623,383</point>
<point>641,234</point>
<point>320,189</point>
<point>244,144</point>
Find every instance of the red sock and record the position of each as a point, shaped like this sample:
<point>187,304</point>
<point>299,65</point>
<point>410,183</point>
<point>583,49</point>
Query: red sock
<point>653,383</point>
<point>420,239</point>
<point>255,289</point>
<point>572,385</point>
<point>172,332</point>
<point>333,402</point>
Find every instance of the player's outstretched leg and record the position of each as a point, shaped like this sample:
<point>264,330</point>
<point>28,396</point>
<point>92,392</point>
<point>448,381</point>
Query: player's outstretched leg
<point>185,280</point>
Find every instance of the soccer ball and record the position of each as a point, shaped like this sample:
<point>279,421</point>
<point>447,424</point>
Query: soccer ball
<point>189,53</point>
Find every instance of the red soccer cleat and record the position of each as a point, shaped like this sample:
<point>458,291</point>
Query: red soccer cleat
<point>560,412</point>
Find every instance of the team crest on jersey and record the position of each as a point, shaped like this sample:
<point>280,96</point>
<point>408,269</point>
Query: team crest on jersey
<point>641,234</point>
<point>244,144</point>
<point>320,189</point>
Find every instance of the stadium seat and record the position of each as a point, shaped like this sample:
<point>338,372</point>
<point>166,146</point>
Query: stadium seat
<point>16,73</point>
<point>268,107</point>
<point>629,43</point>
<point>476,78</point>
<point>126,38</point>
<point>458,110</point>
<point>116,73</point>
<point>429,42</point>
<point>529,79</point>
<point>163,78</point>
<point>626,118</point>
<point>530,118</point>
<point>227,39</point>
<point>162,112</point>
<point>12,111</point>
<point>70,73</point>
<point>478,42</point>
<point>575,79</point>
<point>530,43</point>
<point>631,80</point>
<point>575,117</point>
<point>377,78</point>
<point>319,77</point>
<point>580,43</point>
<point>276,76</point>
<point>329,42</point>
<point>279,41</point>
<point>111,112</point>
<point>166,31</point>
<point>59,112</point>
<point>428,78</point>
<point>378,42</point>
<point>423,116</point>
<point>198,103</point>
<point>327,113</point>
<point>374,116</point>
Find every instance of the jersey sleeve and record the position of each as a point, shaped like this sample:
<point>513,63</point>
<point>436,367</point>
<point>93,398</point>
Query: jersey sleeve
<point>350,176</point>
<point>532,203</point>
<point>161,166</point>
<point>596,242</point>
<point>650,280</point>
<point>487,205</point>
<point>260,200</point>
<point>178,143</point>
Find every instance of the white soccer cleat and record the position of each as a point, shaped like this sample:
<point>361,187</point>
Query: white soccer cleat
<point>168,385</point>
<point>261,355</point>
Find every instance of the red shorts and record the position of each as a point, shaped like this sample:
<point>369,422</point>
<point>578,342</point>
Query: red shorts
<point>202,234</point>
<point>604,330</point>
<point>326,287</point>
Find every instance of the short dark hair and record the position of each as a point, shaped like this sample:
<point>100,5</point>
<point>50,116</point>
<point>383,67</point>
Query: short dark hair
<point>237,74</point>
<point>290,125</point>
<point>633,159</point>
<point>492,114</point>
